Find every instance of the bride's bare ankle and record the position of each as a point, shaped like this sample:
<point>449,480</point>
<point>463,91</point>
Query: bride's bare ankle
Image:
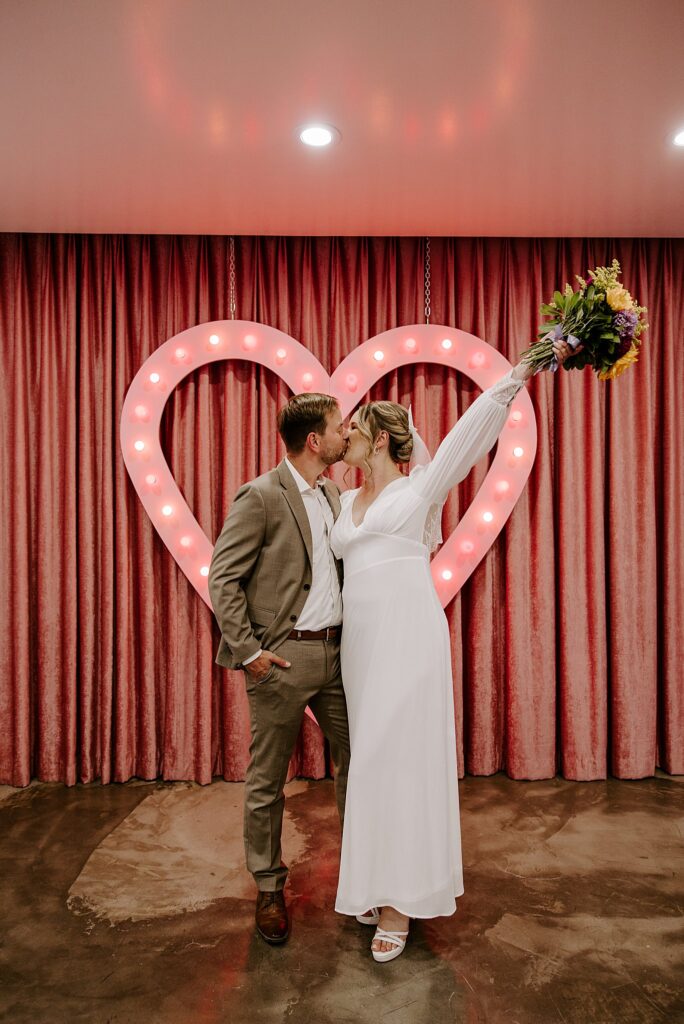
<point>392,920</point>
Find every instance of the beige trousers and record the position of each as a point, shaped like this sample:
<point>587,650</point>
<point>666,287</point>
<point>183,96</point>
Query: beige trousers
<point>276,707</point>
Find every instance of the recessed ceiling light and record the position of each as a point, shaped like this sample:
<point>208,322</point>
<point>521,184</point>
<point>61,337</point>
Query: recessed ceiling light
<point>318,135</point>
<point>679,139</point>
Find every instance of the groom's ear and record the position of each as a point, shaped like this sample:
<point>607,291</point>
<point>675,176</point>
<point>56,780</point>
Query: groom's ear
<point>313,442</point>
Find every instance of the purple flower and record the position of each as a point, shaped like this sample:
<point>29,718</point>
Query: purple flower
<point>625,323</point>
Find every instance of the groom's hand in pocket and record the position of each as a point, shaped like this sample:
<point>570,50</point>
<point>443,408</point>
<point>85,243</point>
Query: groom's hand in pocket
<point>261,666</point>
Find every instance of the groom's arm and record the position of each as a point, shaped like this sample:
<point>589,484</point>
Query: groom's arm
<point>235,555</point>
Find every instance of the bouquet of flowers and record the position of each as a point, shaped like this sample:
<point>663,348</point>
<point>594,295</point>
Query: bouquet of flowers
<point>602,316</point>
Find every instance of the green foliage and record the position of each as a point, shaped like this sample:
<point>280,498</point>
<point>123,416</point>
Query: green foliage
<point>587,315</point>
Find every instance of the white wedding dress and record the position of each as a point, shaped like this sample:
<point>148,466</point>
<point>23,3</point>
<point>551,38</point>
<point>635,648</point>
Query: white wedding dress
<point>401,844</point>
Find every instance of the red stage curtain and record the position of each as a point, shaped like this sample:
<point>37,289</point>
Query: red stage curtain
<point>568,639</point>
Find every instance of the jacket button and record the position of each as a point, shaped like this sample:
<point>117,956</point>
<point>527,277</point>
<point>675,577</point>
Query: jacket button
<point>293,618</point>
<point>307,586</point>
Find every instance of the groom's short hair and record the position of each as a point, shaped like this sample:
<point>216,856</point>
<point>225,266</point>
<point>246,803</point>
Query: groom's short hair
<point>302,415</point>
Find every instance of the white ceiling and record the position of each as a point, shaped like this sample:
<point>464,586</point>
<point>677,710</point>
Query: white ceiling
<point>458,117</point>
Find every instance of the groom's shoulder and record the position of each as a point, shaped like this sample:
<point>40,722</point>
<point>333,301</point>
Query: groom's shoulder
<point>267,479</point>
<point>267,483</point>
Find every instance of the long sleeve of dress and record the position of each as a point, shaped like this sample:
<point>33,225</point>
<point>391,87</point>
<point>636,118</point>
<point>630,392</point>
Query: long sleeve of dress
<point>468,440</point>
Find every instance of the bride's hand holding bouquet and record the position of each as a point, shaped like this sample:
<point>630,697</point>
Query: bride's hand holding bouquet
<point>561,351</point>
<point>601,323</point>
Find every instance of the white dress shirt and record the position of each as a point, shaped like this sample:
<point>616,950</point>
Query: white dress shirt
<point>323,605</point>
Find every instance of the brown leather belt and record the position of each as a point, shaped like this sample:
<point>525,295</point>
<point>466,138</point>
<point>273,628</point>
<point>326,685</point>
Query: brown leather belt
<point>331,633</point>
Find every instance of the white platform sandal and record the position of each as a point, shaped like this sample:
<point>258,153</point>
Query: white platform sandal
<point>397,939</point>
<point>372,916</point>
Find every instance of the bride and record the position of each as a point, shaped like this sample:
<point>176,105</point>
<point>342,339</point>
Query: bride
<point>401,844</point>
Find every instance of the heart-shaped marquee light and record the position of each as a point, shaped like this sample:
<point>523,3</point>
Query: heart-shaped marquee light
<point>301,371</point>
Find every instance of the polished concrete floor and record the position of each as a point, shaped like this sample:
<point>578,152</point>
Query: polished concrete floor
<point>130,903</point>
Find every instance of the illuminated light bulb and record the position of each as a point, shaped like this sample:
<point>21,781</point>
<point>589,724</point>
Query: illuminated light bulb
<point>281,355</point>
<point>204,571</point>
<point>307,381</point>
<point>249,342</point>
<point>139,446</point>
<point>478,359</point>
<point>487,516</point>
<point>503,487</point>
<point>447,344</point>
<point>447,574</point>
<point>154,378</point>
<point>518,452</point>
<point>516,416</point>
<point>186,542</point>
<point>410,344</point>
<point>678,140</point>
<point>318,134</point>
<point>316,137</point>
<point>379,356</point>
<point>467,547</point>
<point>150,480</point>
<point>352,381</point>
<point>181,354</point>
<point>167,510</point>
<point>141,412</point>
<point>214,339</point>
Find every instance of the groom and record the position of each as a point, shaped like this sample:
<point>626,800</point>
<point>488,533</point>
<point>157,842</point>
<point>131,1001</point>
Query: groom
<point>275,589</point>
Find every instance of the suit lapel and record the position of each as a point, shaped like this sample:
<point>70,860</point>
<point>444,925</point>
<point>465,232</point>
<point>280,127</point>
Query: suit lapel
<point>332,494</point>
<point>294,500</point>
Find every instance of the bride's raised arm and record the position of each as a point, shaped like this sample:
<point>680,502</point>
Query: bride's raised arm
<point>470,438</point>
<point>477,430</point>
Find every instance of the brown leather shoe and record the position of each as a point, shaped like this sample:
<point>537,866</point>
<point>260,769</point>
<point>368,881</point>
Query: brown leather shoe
<point>271,917</point>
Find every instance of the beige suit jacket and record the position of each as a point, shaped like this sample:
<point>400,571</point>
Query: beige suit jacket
<point>260,573</point>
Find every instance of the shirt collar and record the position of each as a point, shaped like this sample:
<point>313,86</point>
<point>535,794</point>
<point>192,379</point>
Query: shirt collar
<point>299,479</point>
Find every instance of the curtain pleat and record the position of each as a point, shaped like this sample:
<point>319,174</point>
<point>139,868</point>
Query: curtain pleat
<point>567,640</point>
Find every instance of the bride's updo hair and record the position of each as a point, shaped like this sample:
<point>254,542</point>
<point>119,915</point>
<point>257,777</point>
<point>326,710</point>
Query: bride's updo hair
<point>376,416</point>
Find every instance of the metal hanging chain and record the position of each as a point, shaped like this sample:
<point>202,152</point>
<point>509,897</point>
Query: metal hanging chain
<point>231,277</point>
<point>427,281</point>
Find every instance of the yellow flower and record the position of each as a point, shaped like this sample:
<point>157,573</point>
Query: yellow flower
<point>621,365</point>
<point>618,298</point>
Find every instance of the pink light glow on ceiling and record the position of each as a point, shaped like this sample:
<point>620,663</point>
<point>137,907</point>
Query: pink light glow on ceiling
<point>456,119</point>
